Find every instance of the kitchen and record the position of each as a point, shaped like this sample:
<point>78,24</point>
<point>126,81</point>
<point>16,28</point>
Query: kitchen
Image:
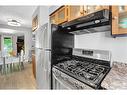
<point>77,46</point>
<point>103,39</point>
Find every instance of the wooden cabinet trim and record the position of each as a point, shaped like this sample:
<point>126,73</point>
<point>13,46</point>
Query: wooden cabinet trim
<point>115,21</point>
<point>122,31</point>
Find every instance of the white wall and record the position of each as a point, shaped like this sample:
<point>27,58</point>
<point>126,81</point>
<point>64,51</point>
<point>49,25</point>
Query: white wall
<point>104,41</point>
<point>28,43</point>
<point>14,38</point>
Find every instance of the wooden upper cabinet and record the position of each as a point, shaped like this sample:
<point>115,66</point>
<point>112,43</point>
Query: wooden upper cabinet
<point>53,18</point>
<point>71,12</point>
<point>93,8</point>
<point>34,23</point>
<point>89,9</point>
<point>75,11</point>
<point>101,7</point>
<point>59,16</point>
<point>119,20</point>
<point>62,15</point>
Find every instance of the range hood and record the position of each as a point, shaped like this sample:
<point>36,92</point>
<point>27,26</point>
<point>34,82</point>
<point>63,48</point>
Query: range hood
<point>95,22</point>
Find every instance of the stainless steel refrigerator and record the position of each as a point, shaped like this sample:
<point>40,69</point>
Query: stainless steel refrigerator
<point>43,56</point>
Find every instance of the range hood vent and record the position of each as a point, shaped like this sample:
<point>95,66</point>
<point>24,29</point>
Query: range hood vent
<point>95,22</point>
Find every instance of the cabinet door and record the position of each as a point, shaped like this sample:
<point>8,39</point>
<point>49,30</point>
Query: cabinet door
<point>75,11</point>
<point>101,7</point>
<point>119,20</point>
<point>89,9</point>
<point>62,14</point>
<point>53,18</point>
<point>93,8</point>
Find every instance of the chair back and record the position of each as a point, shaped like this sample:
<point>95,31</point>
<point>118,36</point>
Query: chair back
<point>15,60</point>
<point>8,60</point>
<point>1,61</point>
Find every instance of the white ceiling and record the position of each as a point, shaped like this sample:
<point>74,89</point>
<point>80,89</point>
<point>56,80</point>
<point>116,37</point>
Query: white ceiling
<point>23,14</point>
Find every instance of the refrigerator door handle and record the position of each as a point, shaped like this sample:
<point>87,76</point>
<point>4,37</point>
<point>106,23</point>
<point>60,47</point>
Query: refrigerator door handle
<point>50,56</point>
<point>47,49</point>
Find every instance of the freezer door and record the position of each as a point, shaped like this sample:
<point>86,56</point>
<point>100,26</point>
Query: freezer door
<point>47,60</point>
<point>47,69</point>
<point>39,68</point>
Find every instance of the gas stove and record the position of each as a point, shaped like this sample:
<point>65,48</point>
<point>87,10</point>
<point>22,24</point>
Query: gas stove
<point>88,71</point>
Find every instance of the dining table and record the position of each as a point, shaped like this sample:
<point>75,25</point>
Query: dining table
<point>10,62</point>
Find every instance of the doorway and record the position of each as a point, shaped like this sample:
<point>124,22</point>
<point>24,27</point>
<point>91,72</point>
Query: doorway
<point>20,44</point>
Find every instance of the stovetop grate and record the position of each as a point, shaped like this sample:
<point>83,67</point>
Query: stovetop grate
<point>87,71</point>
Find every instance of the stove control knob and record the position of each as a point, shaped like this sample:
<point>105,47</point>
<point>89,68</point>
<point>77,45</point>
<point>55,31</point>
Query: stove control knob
<point>76,85</point>
<point>81,87</point>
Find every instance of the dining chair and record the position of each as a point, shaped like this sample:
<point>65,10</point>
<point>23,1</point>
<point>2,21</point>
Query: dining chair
<point>1,65</point>
<point>22,60</point>
<point>8,68</point>
<point>16,63</point>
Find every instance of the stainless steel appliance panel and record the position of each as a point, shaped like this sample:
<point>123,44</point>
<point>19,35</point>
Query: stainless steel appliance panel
<point>43,57</point>
<point>64,81</point>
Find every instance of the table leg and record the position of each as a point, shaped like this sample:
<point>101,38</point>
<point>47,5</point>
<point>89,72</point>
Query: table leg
<point>4,66</point>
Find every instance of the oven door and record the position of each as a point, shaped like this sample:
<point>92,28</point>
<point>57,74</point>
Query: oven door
<point>58,83</point>
<point>64,81</point>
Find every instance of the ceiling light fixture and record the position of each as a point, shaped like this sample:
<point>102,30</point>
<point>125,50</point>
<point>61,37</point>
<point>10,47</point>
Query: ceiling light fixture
<point>12,22</point>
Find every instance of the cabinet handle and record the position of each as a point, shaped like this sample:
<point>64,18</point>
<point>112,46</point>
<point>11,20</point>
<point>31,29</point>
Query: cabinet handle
<point>81,12</point>
<point>115,18</point>
<point>85,11</point>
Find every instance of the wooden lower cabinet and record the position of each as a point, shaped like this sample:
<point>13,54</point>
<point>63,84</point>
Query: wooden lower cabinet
<point>34,65</point>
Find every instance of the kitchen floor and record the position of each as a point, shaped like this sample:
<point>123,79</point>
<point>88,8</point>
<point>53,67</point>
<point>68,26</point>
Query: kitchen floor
<point>18,80</point>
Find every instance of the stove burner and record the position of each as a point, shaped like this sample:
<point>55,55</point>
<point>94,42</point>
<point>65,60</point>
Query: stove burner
<point>82,69</point>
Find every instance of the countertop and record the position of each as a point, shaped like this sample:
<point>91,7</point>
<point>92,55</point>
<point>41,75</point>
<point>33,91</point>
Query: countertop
<point>117,77</point>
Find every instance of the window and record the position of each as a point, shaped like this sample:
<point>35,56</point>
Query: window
<point>7,46</point>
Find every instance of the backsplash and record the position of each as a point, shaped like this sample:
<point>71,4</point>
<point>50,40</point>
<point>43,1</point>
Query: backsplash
<point>104,41</point>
